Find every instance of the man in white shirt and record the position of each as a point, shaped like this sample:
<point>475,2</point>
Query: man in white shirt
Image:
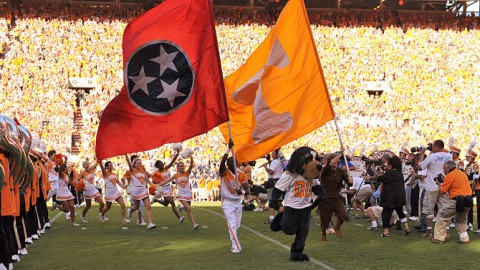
<point>433,165</point>
<point>274,170</point>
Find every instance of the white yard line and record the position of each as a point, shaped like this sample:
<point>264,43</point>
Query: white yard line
<point>313,260</point>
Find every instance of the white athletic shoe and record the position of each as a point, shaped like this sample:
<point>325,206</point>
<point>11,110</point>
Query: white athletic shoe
<point>180,207</point>
<point>143,223</point>
<point>470,227</point>
<point>195,227</point>
<point>4,267</point>
<point>75,224</point>
<point>102,218</point>
<point>129,213</point>
<point>477,231</point>
<point>23,252</point>
<point>47,225</point>
<point>181,219</point>
<point>16,258</point>
<point>67,216</point>
<point>258,209</point>
<point>126,220</point>
<point>151,226</point>
<point>84,219</point>
<point>413,218</point>
<point>234,250</point>
<point>42,231</point>
<point>29,240</point>
<point>452,225</point>
<point>35,237</point>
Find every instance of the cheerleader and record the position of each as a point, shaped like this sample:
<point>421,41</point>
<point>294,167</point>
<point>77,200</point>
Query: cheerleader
<point>139,191</point>
<point>64,196</point>
<point>112,193</point>
<point>184,189</point>
<point>158,177</point>
<point>90,192</point>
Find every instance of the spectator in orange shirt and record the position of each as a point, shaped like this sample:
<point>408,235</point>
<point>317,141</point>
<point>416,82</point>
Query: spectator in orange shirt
<point>457,186</point>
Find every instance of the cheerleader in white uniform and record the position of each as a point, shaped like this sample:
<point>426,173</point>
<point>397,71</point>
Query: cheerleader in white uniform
<point>91,191</point>
<point>64,195</point>
<point>184,188</point>
<point>112,194</point>
<point>139,191</point>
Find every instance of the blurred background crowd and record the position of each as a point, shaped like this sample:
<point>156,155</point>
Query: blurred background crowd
<point>430,63</point>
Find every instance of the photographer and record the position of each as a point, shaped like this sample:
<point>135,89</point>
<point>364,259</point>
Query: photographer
<point>393,194</point>
<point>274,170</point>
<point>361,193</point>
<point>258,194</point>
<point>433,165</point>
<point>460,201</point>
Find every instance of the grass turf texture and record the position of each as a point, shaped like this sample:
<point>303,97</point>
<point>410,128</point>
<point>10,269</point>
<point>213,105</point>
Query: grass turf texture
<point>97,245</point>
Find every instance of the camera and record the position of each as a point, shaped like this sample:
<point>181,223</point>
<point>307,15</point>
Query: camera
<point>439,178</point>
<point>420,148</point>
<point>410,162</point>
<point>369,162</point>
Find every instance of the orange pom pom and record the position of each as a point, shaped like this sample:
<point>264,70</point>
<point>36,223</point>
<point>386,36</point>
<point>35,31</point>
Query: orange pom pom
<point>152,189</point>
<point>80,186</point>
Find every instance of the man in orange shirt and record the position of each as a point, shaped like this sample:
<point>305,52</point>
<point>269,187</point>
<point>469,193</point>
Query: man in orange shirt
<point>457,186</point>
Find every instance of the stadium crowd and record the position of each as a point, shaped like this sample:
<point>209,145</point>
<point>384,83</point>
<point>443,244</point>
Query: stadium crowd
<point>430,63</point>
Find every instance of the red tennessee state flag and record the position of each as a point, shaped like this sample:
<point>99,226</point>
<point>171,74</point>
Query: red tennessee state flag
<point>173,83</point>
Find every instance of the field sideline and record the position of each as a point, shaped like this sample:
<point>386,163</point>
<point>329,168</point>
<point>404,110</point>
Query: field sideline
<point>112,245</point>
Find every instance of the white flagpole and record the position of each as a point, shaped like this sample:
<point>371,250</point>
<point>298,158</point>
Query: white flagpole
<point>233,154</point>
<point>341,146</point>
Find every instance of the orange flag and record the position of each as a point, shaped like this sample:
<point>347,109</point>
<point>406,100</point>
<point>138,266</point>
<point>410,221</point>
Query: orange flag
<point>280,93</point>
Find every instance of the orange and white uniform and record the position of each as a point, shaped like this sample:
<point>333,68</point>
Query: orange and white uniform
<point>111,188</point>
<point>139,190</point>
<point>52,179</point>
<point>183,186</point>
<point>63,192</point>
<point>160,176</point>
<point>90,192</point>
<point>232,204</point>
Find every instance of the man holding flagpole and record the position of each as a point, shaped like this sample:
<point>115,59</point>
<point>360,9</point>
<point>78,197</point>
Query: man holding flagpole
<point>233,185</point>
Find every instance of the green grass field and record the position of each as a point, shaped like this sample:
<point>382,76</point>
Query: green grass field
<point>97,245</point>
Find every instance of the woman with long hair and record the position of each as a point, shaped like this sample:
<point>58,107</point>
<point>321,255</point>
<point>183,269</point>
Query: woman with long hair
<point>139,191</point>
<point>63,193</point>
<point>184,188</point>
<point>91,191</point>
<point>112,194</point>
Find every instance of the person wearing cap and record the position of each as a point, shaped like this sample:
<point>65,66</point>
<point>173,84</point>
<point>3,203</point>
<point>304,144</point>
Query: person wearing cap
<point>455,151</point>
<point>470,170</point>
<point>456,185</point>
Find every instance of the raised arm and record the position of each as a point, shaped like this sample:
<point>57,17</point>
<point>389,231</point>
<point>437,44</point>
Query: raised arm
<point>104,172</point>
<point>173,160</point>
<point>223,167</point>
<point>191,165</point>
<point>94,165</point>
<point>130,167</point>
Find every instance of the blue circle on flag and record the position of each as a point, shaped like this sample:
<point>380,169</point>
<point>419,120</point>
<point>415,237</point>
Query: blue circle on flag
<point>159,77</point>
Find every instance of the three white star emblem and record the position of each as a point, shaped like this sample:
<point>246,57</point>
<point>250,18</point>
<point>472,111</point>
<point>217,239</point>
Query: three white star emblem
<point>141,81</point>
